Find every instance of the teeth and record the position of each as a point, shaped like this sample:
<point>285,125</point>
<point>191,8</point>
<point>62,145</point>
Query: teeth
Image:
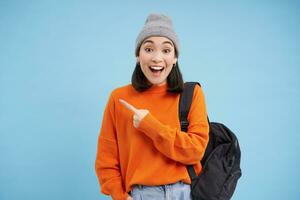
<point>156,67</point>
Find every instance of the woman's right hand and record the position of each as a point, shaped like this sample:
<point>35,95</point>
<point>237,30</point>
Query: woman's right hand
<point>139,114</point>
<point>129,198</point>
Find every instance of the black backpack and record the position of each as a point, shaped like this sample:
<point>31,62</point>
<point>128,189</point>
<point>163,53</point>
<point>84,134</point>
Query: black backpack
<point>221,162</point>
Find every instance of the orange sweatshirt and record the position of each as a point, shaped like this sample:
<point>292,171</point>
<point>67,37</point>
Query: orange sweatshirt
<point>155,153</point>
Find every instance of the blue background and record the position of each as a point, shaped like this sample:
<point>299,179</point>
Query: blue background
<point>59,61</point>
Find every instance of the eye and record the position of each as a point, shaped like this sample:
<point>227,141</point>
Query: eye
<point>167,50</point>
<point>147,49</point>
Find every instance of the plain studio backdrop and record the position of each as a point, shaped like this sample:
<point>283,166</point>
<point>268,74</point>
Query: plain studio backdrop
<point>59,61</point>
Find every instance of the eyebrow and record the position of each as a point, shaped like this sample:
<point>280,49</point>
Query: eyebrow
<point>165,42</point>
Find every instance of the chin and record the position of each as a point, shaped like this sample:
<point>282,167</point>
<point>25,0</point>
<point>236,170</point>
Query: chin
<point>157,81</point>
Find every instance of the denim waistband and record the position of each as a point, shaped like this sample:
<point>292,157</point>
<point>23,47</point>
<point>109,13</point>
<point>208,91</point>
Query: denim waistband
<point>173,191</point>
<point>162,186</point>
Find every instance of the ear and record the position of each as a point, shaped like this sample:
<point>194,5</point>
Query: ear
<point>175,61</point>
<point>137,59</point>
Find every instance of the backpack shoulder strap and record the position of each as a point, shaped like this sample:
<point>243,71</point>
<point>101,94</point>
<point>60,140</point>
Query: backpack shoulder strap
<point>185,102</point>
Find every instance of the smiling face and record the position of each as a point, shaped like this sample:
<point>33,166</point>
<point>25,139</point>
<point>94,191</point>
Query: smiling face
<point>156,58</point>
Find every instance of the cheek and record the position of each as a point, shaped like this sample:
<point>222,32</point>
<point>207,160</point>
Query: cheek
<point>143,64</point>
<point>144,68</point>
<point>171,61</point>
<point>144,58</point>
<point>169,69</point>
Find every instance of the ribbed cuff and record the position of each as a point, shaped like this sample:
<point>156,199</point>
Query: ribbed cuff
<point>151,126</point>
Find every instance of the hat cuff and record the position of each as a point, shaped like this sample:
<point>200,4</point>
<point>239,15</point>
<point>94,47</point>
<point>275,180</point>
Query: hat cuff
<point>157,31</point>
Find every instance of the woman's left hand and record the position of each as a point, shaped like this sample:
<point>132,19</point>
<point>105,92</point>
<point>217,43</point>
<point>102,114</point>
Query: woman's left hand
<point>139,114</point>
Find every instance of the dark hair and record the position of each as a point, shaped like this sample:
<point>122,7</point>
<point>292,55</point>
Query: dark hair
<point>174,79</point>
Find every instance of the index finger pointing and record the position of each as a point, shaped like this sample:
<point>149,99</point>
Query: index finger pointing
<point>128,106</point>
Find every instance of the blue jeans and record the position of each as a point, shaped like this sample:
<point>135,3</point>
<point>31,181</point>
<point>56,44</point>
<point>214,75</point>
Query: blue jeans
<point>176,191</point>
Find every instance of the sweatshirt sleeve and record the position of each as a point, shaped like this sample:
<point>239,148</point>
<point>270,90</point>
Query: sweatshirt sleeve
<point>187,148</point>
<point>107,160</point>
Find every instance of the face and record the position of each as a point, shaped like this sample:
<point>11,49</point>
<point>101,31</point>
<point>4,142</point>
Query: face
<point>157,57</point>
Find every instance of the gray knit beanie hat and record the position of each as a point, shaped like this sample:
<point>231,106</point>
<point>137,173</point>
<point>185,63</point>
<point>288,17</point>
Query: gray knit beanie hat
<point>157,25</point>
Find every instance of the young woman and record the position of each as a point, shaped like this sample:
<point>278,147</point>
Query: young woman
<point>142,152</point>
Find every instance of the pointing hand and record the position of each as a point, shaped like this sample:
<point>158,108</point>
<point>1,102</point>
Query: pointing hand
<point>139,114</point>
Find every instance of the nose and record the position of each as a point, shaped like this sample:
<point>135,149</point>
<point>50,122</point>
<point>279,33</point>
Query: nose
<point>157,57</point>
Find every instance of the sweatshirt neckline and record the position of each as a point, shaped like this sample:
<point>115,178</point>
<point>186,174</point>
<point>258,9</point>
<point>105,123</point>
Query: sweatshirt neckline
<point>157,88</point>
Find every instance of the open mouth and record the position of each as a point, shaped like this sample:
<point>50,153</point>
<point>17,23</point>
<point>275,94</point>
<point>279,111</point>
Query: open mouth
<point>156,70</point>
